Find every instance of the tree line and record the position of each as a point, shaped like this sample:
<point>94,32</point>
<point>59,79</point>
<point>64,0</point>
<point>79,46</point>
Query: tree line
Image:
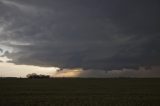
<point>36,76</point>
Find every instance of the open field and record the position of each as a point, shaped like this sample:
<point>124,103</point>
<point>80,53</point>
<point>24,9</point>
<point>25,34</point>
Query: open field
<point>80,92</point>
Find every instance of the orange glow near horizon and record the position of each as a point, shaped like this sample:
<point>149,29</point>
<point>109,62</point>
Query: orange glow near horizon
<point>68,73</point>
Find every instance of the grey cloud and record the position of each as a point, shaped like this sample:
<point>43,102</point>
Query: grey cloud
<point>142,72</point>
<point>99,35</point>
<point>1,50</point>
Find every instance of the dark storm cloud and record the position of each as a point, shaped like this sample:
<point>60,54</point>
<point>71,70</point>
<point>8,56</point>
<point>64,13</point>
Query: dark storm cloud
<point>92,34</point>
<point>1,50</point>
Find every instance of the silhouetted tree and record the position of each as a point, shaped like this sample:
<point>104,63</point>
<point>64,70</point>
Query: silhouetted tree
<point>35,76</point>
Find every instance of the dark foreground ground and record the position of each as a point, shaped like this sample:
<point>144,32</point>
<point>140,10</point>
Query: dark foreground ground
<point>79,92</point>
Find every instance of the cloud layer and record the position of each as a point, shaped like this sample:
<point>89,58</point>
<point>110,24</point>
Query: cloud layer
<point>92,34</point>
<point>142,72</point>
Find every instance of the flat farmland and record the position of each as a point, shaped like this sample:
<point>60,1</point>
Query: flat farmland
<point>80,92</point>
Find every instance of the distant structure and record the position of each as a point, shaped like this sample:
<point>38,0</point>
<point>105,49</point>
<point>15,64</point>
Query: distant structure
<point>35,76</point>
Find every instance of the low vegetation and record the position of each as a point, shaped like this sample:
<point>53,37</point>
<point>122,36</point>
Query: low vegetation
<point>80,92</point>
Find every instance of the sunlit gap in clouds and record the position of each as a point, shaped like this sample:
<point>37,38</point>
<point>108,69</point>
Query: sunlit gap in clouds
<point>12,70</point>
<point>9,69</point>
<point>68,72</point>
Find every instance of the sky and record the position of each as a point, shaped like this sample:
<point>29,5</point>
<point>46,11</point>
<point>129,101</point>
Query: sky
<point>80,38</point>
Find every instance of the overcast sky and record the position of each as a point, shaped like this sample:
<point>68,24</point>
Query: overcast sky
<point>93,36</point>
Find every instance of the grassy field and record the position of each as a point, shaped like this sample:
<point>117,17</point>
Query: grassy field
<point>80,92</point>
